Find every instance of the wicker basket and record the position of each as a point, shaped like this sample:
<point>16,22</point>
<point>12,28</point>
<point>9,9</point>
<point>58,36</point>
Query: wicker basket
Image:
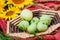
<point>13,30</point>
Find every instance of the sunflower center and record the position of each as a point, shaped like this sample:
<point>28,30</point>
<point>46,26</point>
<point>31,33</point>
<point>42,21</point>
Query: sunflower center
<point>9,13</point>
<point>18,1</point>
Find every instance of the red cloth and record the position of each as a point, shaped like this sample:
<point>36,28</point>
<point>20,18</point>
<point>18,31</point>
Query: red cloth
<point>57,36</point>
<point>53,37</point>
<point>3,25</point>
<point>51,5</point>
<point>49,37</point>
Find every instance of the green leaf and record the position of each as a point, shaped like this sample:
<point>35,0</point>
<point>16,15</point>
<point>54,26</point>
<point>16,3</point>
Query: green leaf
<point>5,37</point>
<point>40,39</point>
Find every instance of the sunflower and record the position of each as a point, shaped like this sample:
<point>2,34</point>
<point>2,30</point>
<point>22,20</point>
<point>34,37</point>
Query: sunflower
<point>10,13</point>
<point>1,9</point>
<point>2,4</point>
<point>20,3</point>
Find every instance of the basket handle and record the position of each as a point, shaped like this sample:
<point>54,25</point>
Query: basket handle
<point>45,10</point>
<point>36,4</point>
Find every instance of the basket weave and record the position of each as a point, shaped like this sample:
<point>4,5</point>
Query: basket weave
<point>13,30</point>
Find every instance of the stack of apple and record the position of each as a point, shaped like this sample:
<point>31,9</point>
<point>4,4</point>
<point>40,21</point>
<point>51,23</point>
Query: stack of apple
<point>32,24</point>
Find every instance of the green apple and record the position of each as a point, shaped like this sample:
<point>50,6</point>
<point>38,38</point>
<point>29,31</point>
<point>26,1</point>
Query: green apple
<point>46,22</point>
<point>46,19</point>
<point>35,20</point>
<point>23,25</point>
<point>26,15</point>
<point>42,27</point>
<point>32,28</point>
